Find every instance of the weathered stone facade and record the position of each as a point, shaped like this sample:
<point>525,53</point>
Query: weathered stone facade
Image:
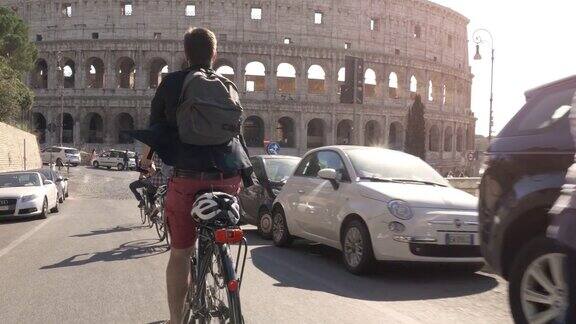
<point>114,52</point>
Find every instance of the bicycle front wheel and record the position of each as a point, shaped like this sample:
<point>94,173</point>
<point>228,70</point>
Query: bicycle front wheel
<point>160,223</point>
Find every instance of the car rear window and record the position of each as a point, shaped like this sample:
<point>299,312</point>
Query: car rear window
<point>71,151</point>
<point>541,112</point>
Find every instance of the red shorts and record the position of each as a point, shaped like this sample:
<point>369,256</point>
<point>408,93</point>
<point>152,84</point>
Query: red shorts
<point>179,201</point>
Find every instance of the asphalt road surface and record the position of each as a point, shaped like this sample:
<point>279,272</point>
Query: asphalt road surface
<point>94,263</point>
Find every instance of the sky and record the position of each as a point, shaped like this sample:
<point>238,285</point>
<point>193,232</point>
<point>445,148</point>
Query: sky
<point>533,45</point>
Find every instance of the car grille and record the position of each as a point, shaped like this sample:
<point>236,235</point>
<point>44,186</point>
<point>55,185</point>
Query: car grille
<point>445,251</point>
<point>7,201</point>
<point>27,211</point>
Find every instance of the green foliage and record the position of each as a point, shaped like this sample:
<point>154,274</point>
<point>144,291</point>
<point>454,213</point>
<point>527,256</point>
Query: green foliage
<point>15,97</point>
<point>416,129</point>
<point>18,52</point>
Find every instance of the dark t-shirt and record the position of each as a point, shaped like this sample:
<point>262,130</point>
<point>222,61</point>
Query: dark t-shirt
<point>226,158</point>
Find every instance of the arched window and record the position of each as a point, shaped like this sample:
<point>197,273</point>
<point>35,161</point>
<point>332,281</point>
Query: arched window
<point>68,129</point>
<point>253,130</point>
<point>341,79</point>
<point>369,83</point>
<point>417,31</point>
<point>285,132</point>
<point>460,140</point>
<point>372,134</point>
<point>395,136</point>
<point>344,132</point>
<point>226,71</point>
<point>448,139</point>
<point>393,85</point>
<point>316,79</point>
<point>39,127</point>
<point>126,73</point>
<point>413,84</point>
<point>286,78</point>
<point>316,133</point>
<point>430,91</point>
<point>69,73</point>
<point>40,75</point>
<point>255,77</point>
<point>124,124</point>
<point>94,73</point>
<point>158,69</point>
<point>434,139</point>
<point>93,128</point>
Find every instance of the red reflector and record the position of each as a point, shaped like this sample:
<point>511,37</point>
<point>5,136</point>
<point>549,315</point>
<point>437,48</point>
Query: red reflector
<point>233,285</point>
<point>228,235</point>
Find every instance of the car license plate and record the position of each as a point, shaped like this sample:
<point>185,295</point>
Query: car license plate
<point>459,239</point>
<point>4,207</point>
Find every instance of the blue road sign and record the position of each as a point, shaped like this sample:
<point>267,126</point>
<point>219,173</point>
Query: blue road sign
<point>273,148</point>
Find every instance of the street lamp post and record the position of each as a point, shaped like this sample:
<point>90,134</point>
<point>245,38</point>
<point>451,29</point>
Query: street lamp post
<point>61,86</point>
<point>477,38</point>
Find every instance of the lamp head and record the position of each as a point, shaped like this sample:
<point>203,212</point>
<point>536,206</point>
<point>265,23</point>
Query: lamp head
<point>477,56</point>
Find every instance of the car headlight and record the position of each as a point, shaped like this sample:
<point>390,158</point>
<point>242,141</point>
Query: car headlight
<point>400,209</point>
<point>276,191</point>
<point>29,198</point>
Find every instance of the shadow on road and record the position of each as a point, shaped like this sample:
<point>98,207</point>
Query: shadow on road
<point>127,251</point>
<point>313,266</point>
<point>19,220</point>
<point>116,229</point>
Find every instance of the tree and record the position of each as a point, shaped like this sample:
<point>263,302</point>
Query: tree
<point>416,129</point>
<point>15,97</point>
<point>18,52</point>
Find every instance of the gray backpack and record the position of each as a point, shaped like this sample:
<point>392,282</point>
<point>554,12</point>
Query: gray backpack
<point>209,110</point>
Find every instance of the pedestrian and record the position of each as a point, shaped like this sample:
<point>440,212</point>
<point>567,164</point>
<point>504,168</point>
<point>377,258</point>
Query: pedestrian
<point>92,156</point>
<point>200,163</point>
<point>126,160</point>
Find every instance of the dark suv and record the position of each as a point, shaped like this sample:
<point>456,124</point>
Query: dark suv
<point>526,166</point>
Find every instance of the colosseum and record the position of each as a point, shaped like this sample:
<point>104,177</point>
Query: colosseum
<point>101,60</point>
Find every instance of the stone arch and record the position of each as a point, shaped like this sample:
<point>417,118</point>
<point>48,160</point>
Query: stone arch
<point>286,78</point>
<point>316,133</point>
<point>448,134</point>
<point>253,130</point>
<point>158,69</point>
<point>434,139</point>
<point>393,85</point>
<point>124,124</point>
<point>316,79</point>
<point>40,74</point>
<point>95,73</point>
<point>370,83</point>
<point>125,73</point>
<point>460,140</point>
<point>396,136</point>
<point>255,75</point>
<point>93,128</point>
<point>226,71</point>
<point>430,91</point>
<point>344,132</point>
<point>286,132</point>
<point>341,78</point>
<point>372,133</point>
<point>39,126</point>
<point>413,85</point>
<point>417,31</point>
<point>69,73</point>
<point>220,62</point>
<point>67,128</point>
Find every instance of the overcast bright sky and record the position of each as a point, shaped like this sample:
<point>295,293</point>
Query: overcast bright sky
<point>534,44</point>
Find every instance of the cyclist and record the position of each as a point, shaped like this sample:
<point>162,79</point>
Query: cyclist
<point>151,178</point>
<point>218,167</point>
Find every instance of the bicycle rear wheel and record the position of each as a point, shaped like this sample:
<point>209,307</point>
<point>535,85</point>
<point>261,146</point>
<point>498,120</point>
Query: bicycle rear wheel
<point>160,223</point>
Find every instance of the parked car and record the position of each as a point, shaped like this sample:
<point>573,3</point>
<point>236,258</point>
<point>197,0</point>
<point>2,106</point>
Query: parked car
<point>25,194</point>
<point>526,166</point>
<point>61,155</point>
<point>60,182</point>
<point>270,175</point>
<point>114,158</point>
<point>377,204</point>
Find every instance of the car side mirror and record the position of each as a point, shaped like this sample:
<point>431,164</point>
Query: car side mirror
<point>330,175</point>
<point>47,182</point>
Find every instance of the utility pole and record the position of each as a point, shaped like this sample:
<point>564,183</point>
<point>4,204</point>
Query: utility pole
<point>352,92</point>
<point>61,88</point>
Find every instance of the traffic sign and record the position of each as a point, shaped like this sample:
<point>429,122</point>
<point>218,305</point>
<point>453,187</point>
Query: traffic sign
<point>273,148</point>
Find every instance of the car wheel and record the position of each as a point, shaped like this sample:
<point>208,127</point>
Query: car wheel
<point>44,213</point>
<point>59,162</point>
<point>96,164</point>
<point>538,289</point>
<point>120,166</point>
<point>265,224</point>
<point>357,250</point>
<point>108,167</point>
<point>280,235</point>
<point>66,194</point>
<point>55,209</point>
<point>61,199</point>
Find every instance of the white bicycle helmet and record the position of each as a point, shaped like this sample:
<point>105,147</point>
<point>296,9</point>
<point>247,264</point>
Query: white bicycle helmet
<point>213,204</point>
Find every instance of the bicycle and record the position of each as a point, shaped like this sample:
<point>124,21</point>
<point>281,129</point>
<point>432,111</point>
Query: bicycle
<point>146,207</point>
<point>215,293</point>
<point>158,216</point>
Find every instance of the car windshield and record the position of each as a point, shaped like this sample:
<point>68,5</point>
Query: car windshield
<point>280,169</point>
<point>383,165</point>
<point>71,151</point>
<point>19,180</point>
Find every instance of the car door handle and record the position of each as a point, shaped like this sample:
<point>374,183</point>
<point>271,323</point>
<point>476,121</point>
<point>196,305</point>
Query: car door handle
<point>300,191</point>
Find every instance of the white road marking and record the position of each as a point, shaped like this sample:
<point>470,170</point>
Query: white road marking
<point>24,237</point>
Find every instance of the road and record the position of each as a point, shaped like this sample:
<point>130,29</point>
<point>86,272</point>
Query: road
<point>94,263</point>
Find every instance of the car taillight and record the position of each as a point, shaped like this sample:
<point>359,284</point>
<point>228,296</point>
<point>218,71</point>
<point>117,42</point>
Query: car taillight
<point>228,235</point>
